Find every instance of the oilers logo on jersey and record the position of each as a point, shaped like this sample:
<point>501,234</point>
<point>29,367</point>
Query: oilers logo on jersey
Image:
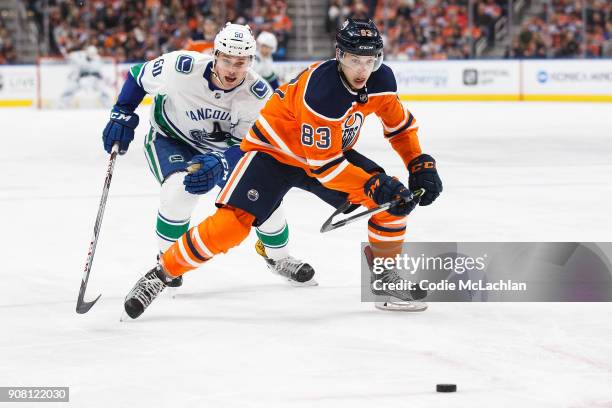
<point>350,129</point>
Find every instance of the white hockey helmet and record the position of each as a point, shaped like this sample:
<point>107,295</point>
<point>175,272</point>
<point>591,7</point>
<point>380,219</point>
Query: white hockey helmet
<point>236,40</point>
<point>268,39</point>
<point>91,51</point>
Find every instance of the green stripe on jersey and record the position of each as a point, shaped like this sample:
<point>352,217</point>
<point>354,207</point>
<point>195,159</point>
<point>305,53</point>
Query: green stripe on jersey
<point>274,240</point>
<point>162,122</point>
<point>158,116</point>
<point>135,70</point>
<point>171,231</point>
<point>151,156</point>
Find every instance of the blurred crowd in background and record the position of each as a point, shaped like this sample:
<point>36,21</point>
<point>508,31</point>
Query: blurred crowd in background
<point>440,29</point>
<point>136,30</point>
<point>8,54</point>
<point>418,29</point>
<point>567,29</point>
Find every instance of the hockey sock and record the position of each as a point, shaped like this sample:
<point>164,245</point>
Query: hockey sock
<point>223,230</point>
<point>175,207</point>
<point>168,231</point>
<point>274,235</point>
<point>275,242</point>
<point>386,234</point>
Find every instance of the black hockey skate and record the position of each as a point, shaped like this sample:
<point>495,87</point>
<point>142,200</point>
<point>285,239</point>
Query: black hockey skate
<point>409,300</point>
<point>297,272</point>
<point>145,291</point>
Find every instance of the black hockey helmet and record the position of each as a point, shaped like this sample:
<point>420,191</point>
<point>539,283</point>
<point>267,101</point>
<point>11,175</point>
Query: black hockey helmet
<point>359,37</point>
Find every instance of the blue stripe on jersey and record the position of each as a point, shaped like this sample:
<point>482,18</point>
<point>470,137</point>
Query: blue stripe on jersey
<point>386,229</point>
<point>259,134</point>
<point>194,251</point>
<point>173,222</point>
<point>279,93</point>
<point>400,130</point>
<point>328,165</point>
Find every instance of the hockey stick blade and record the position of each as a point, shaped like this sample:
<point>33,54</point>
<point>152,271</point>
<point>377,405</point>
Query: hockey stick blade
<point>83,306</point>
<point>330,225</point>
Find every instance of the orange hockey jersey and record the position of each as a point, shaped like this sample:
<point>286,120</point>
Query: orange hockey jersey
<point>310,121</point>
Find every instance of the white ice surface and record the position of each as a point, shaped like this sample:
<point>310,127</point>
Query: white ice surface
<point>237,336</point>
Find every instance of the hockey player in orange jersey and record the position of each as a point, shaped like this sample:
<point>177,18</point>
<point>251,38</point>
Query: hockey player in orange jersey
<point>304,136</point>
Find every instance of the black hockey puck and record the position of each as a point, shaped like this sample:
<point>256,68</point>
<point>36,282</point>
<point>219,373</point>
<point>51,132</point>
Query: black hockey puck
<point>446,387</point>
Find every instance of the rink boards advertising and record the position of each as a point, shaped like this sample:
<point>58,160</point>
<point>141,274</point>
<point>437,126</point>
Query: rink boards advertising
<point>465,80</point>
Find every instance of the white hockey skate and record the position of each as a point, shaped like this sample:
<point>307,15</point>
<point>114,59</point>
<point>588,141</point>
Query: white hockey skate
<point>407,300</point>
<point>297,272</point>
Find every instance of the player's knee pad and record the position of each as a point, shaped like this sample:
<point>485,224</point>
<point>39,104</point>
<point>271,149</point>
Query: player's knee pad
<point>175,203</point>
<point>225,229</point>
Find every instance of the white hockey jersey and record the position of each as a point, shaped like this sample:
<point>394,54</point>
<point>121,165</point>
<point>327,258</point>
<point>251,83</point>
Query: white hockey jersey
<point>189,107</point>
<point>84,65</point>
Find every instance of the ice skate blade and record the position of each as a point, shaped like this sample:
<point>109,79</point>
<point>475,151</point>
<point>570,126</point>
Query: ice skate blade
<point>172,292</point>
<point>306,284</point>
<point>414,306</point>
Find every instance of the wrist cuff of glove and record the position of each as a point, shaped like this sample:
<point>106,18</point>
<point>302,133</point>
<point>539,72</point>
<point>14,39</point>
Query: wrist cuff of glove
<point>124,117</point>
<point>420,163</point>
<point>223,162</point>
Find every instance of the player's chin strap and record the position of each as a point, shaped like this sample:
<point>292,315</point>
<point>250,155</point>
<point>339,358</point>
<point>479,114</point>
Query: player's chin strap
<point>362,94</point>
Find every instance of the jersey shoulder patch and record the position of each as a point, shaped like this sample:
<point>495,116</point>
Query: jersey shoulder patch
<point>260,89</point>
<point>382,80</point>
<point>184,64</point>
<point>325,94</point>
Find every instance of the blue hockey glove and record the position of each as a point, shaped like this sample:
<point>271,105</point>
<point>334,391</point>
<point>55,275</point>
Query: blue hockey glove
<point>382,188</point>
<point>214,168</point>
<point>423,174</point>
<point>120,128</point>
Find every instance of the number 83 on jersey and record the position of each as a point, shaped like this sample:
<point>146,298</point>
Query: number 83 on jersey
<point>321,136</point>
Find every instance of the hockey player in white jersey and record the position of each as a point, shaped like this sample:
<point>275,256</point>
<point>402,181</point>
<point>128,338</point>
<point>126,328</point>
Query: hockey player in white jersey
<point>201,104</point>
<point>86,75</point>
<point>266,46</point>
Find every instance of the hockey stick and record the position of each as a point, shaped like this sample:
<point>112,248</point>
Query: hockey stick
<point>83,306</point>
<point>330,225</point>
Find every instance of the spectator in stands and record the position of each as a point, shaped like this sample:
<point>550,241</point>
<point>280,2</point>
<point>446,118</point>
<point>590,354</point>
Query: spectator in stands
<point>530,42</point>
<point>337,12</point>
<point>359,10</point>
<point>8,54</point>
